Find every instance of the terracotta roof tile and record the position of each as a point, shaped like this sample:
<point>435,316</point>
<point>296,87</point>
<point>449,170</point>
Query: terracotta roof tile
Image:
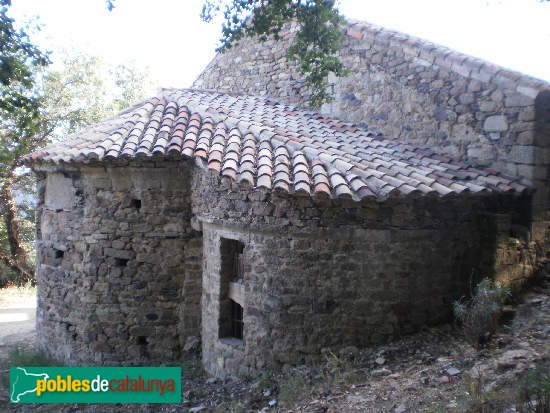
<point>264,181</point>
<point>246,176</point>
<point>260,142</point>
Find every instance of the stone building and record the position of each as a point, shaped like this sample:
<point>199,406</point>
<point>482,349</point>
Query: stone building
<point>270,231</point>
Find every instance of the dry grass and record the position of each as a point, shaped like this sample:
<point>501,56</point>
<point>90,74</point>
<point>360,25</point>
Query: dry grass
<point>18,297</point>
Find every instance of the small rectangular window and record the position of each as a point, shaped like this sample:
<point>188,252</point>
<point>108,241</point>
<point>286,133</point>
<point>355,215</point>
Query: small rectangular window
<point>231,322</point>
<point>136,204</point>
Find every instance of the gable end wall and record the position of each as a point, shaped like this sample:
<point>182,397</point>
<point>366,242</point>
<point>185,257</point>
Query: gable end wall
<point>417,92</point>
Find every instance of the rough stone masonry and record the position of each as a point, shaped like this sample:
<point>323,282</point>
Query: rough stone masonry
<point>418,92</point>
<point>270,232</point>
<point>121,282</point>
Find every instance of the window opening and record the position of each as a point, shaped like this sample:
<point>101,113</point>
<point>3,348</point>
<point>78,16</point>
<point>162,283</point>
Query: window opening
<point>231,321</point>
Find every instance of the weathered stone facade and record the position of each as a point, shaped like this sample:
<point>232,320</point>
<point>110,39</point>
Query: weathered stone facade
<point>122,281</point>
<point>338,237</point>
<point>119,274</point>
<point>325,274</point>
<point>409,89</point>
<point>417,92</point>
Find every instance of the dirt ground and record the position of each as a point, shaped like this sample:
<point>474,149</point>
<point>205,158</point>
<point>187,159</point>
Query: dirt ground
<point>17,324</point>
<point>434,370</point>
<point>19,332</point>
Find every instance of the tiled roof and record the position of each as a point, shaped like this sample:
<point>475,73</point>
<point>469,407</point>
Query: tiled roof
<point>266,144</point>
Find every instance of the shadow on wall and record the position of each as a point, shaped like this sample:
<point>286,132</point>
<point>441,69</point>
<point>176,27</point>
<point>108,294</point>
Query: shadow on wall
<point>542,167</point>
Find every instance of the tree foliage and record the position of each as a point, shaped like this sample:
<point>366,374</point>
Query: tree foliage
<point>317,39</point>
<point>19,59</point>
<point>39,104</point>
<point>19,117</point>
<point>85,90</point>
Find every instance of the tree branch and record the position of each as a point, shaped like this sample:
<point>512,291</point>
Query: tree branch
<point>24,274</point>
<point>9,209</point>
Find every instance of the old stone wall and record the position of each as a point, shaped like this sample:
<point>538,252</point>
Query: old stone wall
<point>417,92</point>
<point>326,274</point>
<point>129,253</point>
<point>119,266</point>
<point>130,264</point>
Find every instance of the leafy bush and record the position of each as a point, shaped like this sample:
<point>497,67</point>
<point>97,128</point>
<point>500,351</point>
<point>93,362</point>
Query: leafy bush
<point>480,315</point>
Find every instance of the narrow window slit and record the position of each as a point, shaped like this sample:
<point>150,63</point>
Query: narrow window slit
<point>232,291</point>
<point>136,204</point>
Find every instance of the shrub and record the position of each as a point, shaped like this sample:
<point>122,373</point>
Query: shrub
<point>534,391</point>
<point>477,399</point>
<point>292,387</point>
<point>31,358</point>
<point>480,315</point>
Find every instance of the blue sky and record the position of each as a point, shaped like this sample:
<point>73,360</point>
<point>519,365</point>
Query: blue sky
<point>168,36</point>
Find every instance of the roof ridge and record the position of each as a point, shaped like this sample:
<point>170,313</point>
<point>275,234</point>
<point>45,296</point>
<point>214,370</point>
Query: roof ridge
<point>459,62</point>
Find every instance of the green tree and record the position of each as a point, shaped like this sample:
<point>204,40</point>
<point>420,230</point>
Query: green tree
<point>20,118</point>
<point>317,39</point>
<point>315,46</point>
<point>86,90</point>
<point>82,91</point>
